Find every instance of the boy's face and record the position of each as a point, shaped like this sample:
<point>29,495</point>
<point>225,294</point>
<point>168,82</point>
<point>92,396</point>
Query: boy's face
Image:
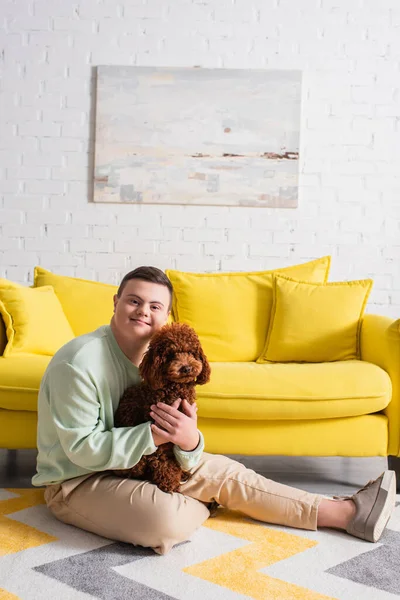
<point>141,310</point>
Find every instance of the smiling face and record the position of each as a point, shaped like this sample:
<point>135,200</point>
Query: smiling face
<point>140,311</point>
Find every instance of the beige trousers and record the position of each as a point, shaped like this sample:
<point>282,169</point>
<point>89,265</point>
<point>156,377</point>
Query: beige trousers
<point>139,513</point>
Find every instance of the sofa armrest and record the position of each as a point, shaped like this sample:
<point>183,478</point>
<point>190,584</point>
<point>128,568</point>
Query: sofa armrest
<point>380,345</point>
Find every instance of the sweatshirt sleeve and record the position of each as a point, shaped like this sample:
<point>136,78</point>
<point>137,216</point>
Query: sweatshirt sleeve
<point>79,416</point>
<point>188,460</point>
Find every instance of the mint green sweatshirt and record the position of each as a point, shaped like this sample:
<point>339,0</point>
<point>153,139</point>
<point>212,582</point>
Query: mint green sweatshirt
<point>78,397</point>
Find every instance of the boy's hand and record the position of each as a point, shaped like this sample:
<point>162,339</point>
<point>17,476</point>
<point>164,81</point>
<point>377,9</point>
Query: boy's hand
<point>158,439</point>
<point>172,425</point>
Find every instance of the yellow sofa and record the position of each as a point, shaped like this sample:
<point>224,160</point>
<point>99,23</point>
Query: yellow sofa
<point>250,407</point>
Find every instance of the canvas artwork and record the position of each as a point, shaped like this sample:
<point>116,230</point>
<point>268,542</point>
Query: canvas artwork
<point>224,137</point>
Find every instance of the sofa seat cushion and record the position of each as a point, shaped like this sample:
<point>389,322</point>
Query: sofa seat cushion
<point>20,377</point>
<point>292,391</point>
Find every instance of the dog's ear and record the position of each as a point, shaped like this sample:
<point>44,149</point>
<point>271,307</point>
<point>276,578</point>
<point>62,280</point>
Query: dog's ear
<point>150,368</point>
<point>204,376</point>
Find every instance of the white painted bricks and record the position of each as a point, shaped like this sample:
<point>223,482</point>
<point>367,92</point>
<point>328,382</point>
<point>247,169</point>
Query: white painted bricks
<point>349,52</point>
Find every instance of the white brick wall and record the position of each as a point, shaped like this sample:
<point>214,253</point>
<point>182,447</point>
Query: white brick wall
<point>349,199</point>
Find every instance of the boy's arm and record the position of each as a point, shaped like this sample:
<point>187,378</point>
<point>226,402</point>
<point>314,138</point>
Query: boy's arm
<point>79,418</point>
<point>188,460</point>
<point>178,423</point>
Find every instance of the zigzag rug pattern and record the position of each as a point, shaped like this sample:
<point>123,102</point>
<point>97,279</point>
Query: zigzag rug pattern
<point>229,558</point>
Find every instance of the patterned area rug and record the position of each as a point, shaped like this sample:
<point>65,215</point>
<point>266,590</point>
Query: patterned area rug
<point>229,558</point>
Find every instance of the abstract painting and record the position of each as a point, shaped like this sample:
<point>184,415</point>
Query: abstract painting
<point>194,136</point>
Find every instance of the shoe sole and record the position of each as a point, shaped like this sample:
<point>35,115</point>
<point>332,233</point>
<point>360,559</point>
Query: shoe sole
<point>383,507</point>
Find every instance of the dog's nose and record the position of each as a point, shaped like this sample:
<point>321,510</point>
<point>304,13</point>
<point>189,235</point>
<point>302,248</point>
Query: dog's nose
<point>185,369</point>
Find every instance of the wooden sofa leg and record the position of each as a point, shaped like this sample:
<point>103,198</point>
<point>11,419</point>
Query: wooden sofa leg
<point>394,465</point>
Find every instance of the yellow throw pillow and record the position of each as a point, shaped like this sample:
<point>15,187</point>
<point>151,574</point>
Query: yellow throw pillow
<point>3,336</point>
<point>314,322</point>
<point>34,319</point>
<point>86,304</point>
<point>231,311</point>
<point>5,284</point>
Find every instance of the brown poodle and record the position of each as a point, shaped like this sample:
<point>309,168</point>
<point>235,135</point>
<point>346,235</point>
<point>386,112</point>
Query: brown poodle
<point>171,368</point>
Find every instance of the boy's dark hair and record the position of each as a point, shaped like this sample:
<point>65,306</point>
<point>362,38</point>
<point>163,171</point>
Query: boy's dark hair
<point>151,274</point>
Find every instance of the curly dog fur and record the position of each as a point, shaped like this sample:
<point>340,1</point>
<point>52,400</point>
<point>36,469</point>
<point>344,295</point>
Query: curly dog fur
<point>171,368</point>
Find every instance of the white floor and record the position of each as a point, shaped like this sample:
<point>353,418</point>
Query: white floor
<point>325,475</point>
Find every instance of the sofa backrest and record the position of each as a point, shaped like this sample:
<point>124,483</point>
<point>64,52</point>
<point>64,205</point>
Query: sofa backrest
<point>3,337</point>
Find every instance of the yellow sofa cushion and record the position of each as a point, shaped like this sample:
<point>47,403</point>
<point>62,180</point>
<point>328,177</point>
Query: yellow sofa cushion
<point>86,304</point>
<point>293,391</point>
<point>243,391</point>
<point>231,311</point>
<point>20,377</point>
<point>34,319</point>
<point>314,322</point>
